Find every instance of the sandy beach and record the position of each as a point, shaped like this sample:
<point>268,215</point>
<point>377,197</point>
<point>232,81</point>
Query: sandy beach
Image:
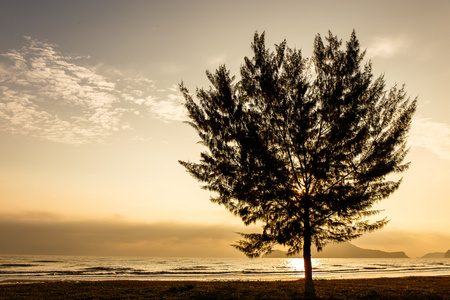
<point>380,288</point>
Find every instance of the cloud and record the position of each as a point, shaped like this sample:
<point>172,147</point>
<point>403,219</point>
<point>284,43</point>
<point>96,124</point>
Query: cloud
<point>169,108</point>
<point>169,68</point>
<point>387,47</point>
<point>34,233</point>
<point>432,136</point>
<point>43,233</point>
<point>217,60</point>
<point>59,98</point>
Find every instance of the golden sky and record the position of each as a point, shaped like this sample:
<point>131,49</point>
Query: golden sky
<point>91,121</point>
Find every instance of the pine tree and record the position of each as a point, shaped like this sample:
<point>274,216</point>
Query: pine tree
<point>301,146</point>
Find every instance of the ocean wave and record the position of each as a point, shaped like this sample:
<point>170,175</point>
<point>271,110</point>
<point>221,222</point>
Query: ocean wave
<point>16,265</point>
<point>80,268</point>
<point>192,268</point>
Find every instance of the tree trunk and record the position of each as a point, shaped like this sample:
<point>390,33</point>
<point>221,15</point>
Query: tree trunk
<point>307,246</point>
<point>307,255</point>
<point>310,291</point>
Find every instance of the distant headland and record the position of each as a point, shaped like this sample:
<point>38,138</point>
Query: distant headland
<point>437,255</point>
<point>344,250</point>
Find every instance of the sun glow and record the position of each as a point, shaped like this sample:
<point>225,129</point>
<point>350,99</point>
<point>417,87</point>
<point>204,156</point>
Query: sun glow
<point>297,264</point>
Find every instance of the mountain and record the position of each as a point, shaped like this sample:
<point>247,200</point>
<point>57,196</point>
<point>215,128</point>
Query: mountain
<point>279,254</point>
<point>434,255</point>
<point>447,254</point>
<point>345,250</point>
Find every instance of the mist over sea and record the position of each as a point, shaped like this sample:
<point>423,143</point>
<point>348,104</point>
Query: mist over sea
<point>34,267</point>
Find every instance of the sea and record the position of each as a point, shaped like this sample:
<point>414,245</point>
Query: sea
<point>33,267</point>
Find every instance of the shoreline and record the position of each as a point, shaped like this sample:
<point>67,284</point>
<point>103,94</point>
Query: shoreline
<point>411,287</point>
<point>208,278</point>
<point>205,279</point>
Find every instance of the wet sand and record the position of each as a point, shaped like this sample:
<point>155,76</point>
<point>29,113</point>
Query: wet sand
<point>380,288</point>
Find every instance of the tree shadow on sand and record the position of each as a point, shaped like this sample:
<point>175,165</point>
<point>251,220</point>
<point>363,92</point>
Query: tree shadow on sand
<point>310,290</point>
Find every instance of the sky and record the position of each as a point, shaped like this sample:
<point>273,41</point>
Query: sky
<point>91,118</point>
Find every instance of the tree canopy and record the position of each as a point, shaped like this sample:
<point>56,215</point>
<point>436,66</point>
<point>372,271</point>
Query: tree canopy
<point>302,146</point>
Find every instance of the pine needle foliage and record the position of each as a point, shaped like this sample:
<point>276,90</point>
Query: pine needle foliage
<point>302,146</point>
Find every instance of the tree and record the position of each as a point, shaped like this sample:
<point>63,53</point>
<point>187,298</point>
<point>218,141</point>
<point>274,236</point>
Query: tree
<point>301,146</point>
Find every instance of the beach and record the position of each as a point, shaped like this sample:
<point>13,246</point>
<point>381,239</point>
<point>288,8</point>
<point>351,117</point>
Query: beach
<point>421,287</point>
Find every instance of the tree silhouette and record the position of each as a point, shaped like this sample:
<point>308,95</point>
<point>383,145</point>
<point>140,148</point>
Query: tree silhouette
<point>300,146</point>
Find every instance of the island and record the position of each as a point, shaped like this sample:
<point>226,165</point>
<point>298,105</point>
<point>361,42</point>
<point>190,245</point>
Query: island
<point>343,250</point>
